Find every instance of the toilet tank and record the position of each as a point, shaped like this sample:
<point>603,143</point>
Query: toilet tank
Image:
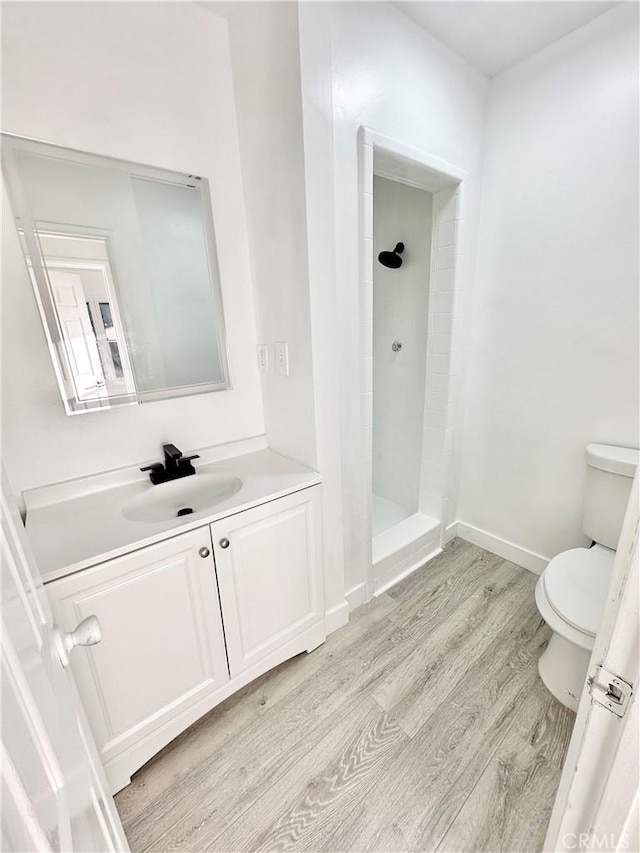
<point>610,473</point>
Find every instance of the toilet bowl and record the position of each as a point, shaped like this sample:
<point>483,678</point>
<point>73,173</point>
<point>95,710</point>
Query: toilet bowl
<point>572,591</point>
<point>570,596</point>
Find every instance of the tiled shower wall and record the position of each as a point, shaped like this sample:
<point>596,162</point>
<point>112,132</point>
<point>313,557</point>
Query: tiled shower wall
<point>401,213</point>
<point>439,466</point>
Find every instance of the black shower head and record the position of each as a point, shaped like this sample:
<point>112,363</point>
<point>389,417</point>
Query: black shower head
<point>392,259</point>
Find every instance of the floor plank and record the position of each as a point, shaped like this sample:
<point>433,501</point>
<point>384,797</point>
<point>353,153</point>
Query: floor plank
<point>420,725</point>
<point>328,779</point>
<point>429,780</point>
<point>450,652</point>
<point>455,557</point>
<point>510,807</point>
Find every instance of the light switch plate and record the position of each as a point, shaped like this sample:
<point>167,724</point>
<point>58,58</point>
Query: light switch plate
<point>281,349</point>
<point>263,357</point>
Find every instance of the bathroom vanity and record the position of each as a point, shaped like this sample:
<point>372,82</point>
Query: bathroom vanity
<point>191,608</point>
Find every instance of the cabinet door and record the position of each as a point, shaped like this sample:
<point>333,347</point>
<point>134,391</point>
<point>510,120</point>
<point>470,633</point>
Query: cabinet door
<point>162,657</point>
<point>270,580</point>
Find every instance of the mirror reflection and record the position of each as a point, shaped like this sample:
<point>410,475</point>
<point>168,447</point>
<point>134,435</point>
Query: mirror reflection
<point>122,258</point>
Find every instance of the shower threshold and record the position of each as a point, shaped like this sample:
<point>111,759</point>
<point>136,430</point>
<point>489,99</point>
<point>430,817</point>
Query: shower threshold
<point>404,547</point>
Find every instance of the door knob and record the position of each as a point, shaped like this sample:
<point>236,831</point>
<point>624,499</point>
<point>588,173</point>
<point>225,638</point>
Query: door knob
<point>204,552</point>
<point>86,633</point>
<point>224,543</point>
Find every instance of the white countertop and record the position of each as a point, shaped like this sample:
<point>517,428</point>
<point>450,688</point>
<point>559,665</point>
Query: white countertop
<point>70,532</point>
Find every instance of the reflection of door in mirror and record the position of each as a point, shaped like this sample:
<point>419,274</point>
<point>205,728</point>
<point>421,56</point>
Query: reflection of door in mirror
<point>85,262</point>
<point>77,335</point>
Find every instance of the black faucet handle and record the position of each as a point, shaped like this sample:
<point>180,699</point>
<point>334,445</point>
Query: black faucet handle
<point>171,452</point>
<point>157,466</point>
<point>184,464</point>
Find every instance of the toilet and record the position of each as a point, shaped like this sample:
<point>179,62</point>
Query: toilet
<point>572,591</point>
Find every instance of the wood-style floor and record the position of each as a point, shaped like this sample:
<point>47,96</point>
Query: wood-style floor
<point>420,726</point>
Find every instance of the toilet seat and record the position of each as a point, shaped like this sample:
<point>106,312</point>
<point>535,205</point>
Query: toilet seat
<point>576,583</point>
<point>559,625</point>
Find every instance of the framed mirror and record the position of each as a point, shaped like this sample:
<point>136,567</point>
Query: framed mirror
<point>123,261</point>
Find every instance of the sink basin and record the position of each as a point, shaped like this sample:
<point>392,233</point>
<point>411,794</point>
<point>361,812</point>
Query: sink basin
<point>198,493</point>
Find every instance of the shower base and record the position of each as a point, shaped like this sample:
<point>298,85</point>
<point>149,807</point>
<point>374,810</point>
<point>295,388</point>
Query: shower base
<point>402,542</point>
<point>386,514</point>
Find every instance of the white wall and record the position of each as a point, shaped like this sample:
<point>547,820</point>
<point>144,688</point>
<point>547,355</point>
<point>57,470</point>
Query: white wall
<point>391,76</point>
<point>280,63</point>
<point>266,75</point>
<point>554,363</point>
<point>116,79</point>
<point>400,301</point>
<point>286,187</point>
<point>317,121</point>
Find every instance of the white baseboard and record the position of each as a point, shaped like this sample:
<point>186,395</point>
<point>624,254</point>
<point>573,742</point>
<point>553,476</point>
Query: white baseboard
<point>356,596</point>
<point>450,532</point>
<point>337,617</point>
<point>535,563</point>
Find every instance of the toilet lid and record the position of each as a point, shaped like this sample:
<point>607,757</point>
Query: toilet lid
<point>576,583</point>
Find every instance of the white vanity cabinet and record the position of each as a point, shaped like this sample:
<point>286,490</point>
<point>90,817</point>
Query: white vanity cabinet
<point>166,610</point>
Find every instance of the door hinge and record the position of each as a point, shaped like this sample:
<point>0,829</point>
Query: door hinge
<point>610,690</point>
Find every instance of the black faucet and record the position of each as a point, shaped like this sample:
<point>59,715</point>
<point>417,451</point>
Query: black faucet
<point>175,466</point>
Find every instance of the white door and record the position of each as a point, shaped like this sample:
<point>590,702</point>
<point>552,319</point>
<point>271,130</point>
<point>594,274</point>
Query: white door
<point>269,575</point>
<point>77,334</point>
<point>596,806</point>
<point>54,793</point>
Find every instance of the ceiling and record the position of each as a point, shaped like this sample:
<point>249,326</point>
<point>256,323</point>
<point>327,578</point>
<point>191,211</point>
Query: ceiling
<point>492,36</point>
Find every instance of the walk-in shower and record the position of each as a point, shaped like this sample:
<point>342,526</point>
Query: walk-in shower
<point>402,215</point>
<point>411,267</point>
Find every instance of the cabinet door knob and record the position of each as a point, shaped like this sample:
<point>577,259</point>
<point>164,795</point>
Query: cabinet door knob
<point>204,553</point>
<point>224,543</point>
<point>86,633</point>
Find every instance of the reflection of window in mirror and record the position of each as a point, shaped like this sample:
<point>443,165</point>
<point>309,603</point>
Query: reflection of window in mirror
<point>112,340</point>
